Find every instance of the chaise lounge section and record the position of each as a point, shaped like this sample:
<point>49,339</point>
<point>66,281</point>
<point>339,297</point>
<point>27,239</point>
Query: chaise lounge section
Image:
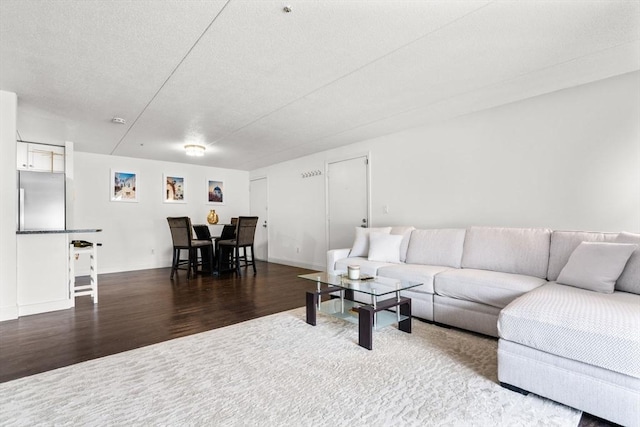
<point>578,345</point>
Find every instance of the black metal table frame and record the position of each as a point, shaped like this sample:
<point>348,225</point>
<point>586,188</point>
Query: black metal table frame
<point>366,313</point>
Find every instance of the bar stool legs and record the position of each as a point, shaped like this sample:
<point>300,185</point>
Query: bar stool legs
<point>91,289</point>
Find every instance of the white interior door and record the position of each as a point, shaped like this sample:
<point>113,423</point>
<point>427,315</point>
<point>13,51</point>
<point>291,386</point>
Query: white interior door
<point>348,200</point>
<point>258,207</point>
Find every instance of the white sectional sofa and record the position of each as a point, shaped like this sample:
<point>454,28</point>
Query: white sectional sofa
<point>576,342</point>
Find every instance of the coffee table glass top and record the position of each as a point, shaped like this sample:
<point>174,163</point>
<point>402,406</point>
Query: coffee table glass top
<point>372,286</point>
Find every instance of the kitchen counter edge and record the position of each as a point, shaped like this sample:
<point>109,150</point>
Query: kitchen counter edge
<point>82,230</point>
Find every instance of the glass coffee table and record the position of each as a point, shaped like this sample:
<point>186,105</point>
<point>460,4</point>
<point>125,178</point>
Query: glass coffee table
<point>368,316</point>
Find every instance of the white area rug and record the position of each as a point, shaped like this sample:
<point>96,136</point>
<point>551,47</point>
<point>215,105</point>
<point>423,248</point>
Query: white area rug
<point>277,370</point>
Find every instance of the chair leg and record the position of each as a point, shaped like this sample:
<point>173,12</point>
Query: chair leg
<point>244,256</point>
<point>190,264</point>
<point>253,260</point>
<point>237,259</point>
<point>176,259</point>
<point>194,262</point>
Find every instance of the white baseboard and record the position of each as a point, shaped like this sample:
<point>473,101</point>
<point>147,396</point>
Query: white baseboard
<point>297,264</point>
<point>106,270</point>
<point>8,313</point>
<point>44,307</point>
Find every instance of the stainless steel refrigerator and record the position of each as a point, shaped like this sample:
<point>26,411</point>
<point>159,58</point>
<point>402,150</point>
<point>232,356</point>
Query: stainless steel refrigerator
<point>41,201</point>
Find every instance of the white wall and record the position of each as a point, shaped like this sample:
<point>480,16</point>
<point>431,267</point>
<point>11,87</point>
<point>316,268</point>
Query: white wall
<point>8,289</point>
<point>296,213</point>
<point>136,235</point>
<point>567,160</point>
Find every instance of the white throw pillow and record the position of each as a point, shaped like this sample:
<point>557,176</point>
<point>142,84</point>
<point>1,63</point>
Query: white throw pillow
<point>384,247</point>
<point>629,280</point>
<point>596,266</point>
<point>361,243</point>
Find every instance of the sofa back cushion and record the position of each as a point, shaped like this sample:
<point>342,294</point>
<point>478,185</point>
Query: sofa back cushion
<point>405,232</point>
<point>629,280</point>
<point>509,250</point>
<point>436,247</point>
<point>563,243</point>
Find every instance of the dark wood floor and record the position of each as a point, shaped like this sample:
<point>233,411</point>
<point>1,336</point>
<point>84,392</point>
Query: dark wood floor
<point>145,307</point>
<point>141,308</point>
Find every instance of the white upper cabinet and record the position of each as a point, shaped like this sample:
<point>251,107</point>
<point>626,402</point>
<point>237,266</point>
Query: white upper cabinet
<point>22,151</point>
<point>40,157</point>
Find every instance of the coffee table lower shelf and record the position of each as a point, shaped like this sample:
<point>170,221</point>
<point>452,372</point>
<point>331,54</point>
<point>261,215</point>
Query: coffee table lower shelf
<point>366,316</point>
<point>334,307</point>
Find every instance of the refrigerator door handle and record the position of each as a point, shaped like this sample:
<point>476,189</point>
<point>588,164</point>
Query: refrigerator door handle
<point>21,209</point>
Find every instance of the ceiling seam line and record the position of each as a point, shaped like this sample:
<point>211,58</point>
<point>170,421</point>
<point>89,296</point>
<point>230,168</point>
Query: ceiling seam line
<point>356,70</point>
<point>169,77</point>
<point>464,93</point>
<point>488,86</point>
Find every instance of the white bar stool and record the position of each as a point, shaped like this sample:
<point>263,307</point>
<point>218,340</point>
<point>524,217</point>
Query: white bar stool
<point>76,290</point>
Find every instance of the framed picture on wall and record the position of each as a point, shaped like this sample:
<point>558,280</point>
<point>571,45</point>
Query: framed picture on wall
<point>215,192</point>
<point>124,186</point>
<point>173,188</point>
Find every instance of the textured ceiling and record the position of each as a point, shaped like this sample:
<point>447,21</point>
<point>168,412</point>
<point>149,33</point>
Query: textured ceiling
<point>258,86</point>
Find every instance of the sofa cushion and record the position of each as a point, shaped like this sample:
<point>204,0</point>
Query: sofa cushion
<point>508,250</point>
<point>361,242</point>
<point>590,327</point>
<point>384,247</point>
<point>492,288</point>
<point>367,267</point>
<point>405,232</point>
<point>414,273</point>
<point>436,247</point>
<point>563,243</point>
<point>596,266</point>
<point>629,280</point>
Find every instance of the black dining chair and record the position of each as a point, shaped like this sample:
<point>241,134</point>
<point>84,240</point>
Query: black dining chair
<point>245,233</point>
<point>202,231</point>
<point>224,254</point>
<point>182,236</point>
<point>207,254</point>
<point>228,232</point>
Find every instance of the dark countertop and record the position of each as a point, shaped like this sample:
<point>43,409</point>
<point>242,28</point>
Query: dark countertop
<point>81,230</point>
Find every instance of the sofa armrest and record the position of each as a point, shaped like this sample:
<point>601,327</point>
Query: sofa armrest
<point>334,255</point>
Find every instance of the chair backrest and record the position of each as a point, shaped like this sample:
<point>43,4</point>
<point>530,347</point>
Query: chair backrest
<point>234,221</point>
<point>180,231</point>
<point>246,230</point>
<point>202,232</point>
<point>228,232</point>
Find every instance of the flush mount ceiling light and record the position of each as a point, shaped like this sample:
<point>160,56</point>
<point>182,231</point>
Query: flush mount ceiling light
<point>119,120</point>
<point>194,150</point>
